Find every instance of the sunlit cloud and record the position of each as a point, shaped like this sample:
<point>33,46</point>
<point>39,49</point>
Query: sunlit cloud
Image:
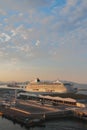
<point>40,31</point>
<point>37,43</point>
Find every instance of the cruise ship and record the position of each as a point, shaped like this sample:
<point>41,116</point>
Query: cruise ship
<point>57,86</point>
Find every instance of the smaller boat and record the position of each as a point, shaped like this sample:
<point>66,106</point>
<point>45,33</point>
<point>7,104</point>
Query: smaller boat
<point>34,122</point>
<point>1,113</point>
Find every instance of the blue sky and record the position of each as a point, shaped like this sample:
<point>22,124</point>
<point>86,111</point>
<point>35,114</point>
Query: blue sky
<point>43,38</point>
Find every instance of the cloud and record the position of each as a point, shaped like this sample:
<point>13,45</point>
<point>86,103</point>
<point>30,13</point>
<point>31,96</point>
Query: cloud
<point>28,33</point>
<point>4,37</point>
<point>13,33</point>
<point>74,10</point>
<point>37,43</point>
<point>24,6</point>
<point>2,12</point>
<point>14,61</point>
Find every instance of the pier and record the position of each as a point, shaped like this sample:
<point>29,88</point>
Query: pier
<point>32,119</point>
<point>80,114</point>
<point>31,113</point>
<point>1,113</point>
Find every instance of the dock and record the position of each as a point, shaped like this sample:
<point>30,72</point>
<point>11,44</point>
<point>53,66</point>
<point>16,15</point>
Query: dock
<point>1,113</point>
<point>32,119</point>
<point>80,114</point>
<point>32,113</point>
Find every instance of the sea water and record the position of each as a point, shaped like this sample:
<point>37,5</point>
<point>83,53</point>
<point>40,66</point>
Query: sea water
<point>63,124</point>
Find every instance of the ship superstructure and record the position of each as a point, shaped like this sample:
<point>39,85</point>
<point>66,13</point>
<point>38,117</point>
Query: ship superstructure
<point>50,87</point>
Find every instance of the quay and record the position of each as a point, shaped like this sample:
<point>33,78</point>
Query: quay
<point>31,113</point>
<point>80,114</point>
<point>1,113</point>
<point>32,119</point>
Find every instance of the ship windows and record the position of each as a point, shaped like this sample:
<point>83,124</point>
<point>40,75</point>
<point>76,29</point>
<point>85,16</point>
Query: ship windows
<point>36,89</point>
<point>67,84</point>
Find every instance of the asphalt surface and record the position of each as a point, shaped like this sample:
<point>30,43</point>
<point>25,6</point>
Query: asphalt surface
<point>34,107</point>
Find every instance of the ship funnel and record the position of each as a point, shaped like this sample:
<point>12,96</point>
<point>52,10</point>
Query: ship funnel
<point>37,80</point>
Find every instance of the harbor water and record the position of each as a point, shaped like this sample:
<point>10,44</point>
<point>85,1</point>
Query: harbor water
<point>51,125</point>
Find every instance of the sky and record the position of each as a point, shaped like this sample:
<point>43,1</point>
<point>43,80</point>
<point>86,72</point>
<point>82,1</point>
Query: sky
<point>43,38</point>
